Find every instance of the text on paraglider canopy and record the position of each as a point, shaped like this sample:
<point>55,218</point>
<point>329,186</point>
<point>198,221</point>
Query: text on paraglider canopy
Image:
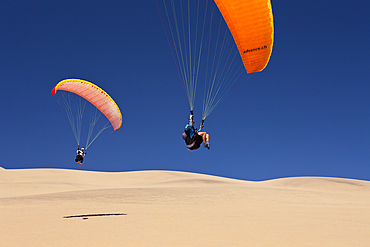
<point>255,49</point>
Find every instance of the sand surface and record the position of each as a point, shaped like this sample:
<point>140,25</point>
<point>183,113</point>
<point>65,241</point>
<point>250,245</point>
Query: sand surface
<point>56,207</point>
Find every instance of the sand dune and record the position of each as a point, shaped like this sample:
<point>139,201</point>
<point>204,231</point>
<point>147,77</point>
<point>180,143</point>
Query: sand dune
<point>56,207</point>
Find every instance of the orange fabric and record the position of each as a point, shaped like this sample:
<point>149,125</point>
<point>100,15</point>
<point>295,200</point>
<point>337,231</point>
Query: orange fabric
<point>251,24</point>
<point>95,96</point>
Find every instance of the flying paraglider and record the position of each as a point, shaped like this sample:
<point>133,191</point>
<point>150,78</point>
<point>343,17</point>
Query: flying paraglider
<point>77,93</point>
<point>207,39</point>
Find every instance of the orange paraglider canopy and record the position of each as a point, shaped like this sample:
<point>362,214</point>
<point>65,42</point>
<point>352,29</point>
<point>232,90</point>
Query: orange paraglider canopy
<point>252,27</point>
<point>95,95</point>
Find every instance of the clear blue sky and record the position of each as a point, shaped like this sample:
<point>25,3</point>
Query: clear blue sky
<point>306,114</point>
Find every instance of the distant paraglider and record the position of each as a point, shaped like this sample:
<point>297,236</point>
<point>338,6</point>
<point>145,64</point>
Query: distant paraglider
<point>80,155</point>
<point>74,96</point>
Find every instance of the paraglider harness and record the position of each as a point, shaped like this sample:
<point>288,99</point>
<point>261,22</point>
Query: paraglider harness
<point>195,141</point>
<point>80,155</point>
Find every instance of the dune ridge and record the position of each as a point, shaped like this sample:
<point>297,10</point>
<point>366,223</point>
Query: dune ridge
<point>59,207</point>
